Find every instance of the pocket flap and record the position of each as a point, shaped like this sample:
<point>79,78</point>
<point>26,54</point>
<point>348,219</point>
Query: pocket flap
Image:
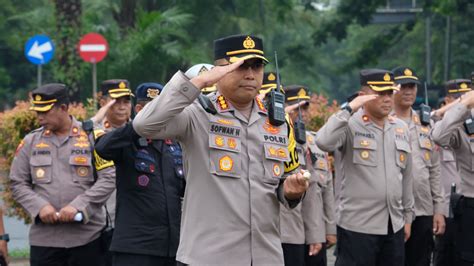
<point>41,160</point>
<point>276,152</point>
<point>365,143</point>
<point>82,160</point>
<point>402,145</point>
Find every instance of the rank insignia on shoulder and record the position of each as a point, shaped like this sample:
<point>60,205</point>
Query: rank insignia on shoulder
<point>221,101</point>
<point>260,104</point>
<point>106,124</point>
<point>22,143</point>
<point>75,130</point>
<point>365,118</point>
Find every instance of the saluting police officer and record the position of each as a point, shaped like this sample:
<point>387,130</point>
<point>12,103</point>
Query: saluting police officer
<point>376,197</point>
<point>456,131</point>
<point>429,203</point>
<point>115,111</point>
<point>116,95</point>
<point>149,190</point>
<point>444,252</point>
<point>319,199</point>
<point>234,160</point>
<point>53,178</point>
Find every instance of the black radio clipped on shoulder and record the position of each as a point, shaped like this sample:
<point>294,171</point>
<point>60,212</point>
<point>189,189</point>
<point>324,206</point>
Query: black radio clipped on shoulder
<point>425,114</point>
<point>469,125</point>
<point>276,102</point>
<point>300,131</point>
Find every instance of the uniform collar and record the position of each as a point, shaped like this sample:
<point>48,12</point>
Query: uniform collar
<point>76,128</point>
<point>222,104</point>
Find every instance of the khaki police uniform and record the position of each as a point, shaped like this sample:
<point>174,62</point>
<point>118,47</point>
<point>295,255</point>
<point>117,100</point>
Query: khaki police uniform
<point>57,171</point>
<point>367,200</point>
<point>113,88</point>
<point>234,171</point>
<point>376,197</point>
<point>450,132</point>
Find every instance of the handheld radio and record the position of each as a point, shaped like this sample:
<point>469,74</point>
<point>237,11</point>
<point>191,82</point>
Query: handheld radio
<point>276,101</point>
<point>425,110</point>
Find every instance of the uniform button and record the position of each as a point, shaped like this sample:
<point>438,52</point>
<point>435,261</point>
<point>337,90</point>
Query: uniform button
<point>185,89</point>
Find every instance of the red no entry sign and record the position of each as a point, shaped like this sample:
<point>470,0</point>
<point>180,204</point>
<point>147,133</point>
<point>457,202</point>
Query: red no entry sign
<point>93,47</point>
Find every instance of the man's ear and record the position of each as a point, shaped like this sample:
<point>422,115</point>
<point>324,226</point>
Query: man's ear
<point>138,108</point>
<point>103,101</point>
<point>64,107</point>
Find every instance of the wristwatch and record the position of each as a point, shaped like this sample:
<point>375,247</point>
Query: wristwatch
<point>5,237</point>
<point>346,106</point>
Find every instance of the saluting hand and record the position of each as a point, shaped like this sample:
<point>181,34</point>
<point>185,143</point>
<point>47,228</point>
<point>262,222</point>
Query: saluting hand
<point>295,186</point>
<point>97,118</point>
<point>314,249</point>
<point>439,224</point>
<point>212,76</point>
<point>468,99</point>
<point>295,106</point>
<point>67,213</point>
<point>360,100</point>
<point>48,215</point>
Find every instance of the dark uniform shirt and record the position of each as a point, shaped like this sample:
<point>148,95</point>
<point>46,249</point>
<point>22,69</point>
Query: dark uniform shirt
<point>149,190</point>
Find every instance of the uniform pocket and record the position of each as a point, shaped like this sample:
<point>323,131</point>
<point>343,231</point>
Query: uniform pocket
<point>81,168</point>
<point>144,162</point>
<point>403,148</point>
<point>41,169</point>
<point>365,151</point>
<point>225,163</point>
<point>275,157</point>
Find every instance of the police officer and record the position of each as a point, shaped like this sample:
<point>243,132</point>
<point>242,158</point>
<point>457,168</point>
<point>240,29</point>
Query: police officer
<point>149,191</point>
<point>234,159</point>
<point>456,131</point>
<point>116,108</point>
<point>53,178</point>
<point>116,94</point>
<point>444,244</point>
<point>376,201</point>
<point>318,215</point>
<point>429,208</point>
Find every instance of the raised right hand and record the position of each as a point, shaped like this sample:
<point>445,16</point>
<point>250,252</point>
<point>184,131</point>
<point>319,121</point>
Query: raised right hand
<point>360,100</point>
<point>48,214</point>
<point>212,76</point>
<point>468,99</point>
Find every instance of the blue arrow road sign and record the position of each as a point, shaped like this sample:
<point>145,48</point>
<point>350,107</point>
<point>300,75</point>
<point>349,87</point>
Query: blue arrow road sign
<point>39,49</point>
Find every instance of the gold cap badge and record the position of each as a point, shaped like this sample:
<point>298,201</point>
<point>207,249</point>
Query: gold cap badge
<point>38,97</point>
<point>271,77</point>
<point>122,85</point>
<point>463,86</point>
<point>248,43</point>
<point>408,72</point>
<point>386,77</point>
<point>152,93</point>
<point>301,93</point>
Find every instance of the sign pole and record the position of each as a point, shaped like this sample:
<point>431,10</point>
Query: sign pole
<point>94,85</point>
<point>39,76</point>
